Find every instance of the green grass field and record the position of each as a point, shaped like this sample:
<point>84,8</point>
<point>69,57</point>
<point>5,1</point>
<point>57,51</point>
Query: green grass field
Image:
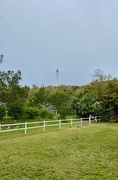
<point>84,153</point>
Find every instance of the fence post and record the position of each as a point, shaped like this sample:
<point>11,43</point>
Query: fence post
<point>95,118</point>
<point>59,123</point>
<point>89,119</point>
<point>44,126</point>
<point>71,122</point>
<point>81,121</point>
<point>9,126</point>
<point>25,127</point>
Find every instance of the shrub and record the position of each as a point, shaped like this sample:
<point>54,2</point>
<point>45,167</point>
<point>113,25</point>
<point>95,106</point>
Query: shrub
<point>15,110</point>
<point>64,111</point>
<point>44,113</point>
<point>31,112</point>
<point>2,112</point>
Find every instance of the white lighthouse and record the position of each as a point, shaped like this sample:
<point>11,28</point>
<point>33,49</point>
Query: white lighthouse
<point>57,77</point>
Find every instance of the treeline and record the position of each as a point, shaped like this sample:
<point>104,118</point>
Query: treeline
<point>99,98</point>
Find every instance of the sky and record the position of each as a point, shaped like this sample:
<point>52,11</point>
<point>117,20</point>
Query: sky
<point>75,36</point>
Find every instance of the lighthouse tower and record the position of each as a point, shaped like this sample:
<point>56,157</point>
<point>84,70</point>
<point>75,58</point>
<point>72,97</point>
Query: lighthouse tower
<point>57,77</point>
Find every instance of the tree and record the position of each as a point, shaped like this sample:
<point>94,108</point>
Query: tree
<point>16,110</point>
<point>98,85</point>
<point>106,90</point>
<point>8,80</point>
<point>31,112</point>
<point>17,94</point>
<point>38,97</point>
<point>2,111</point>
<point>99,75</point>
<point>61,100</point>
<point>44,113</point>
<point>10,90</point>
<point>110,100</point>
<point>86,103</point>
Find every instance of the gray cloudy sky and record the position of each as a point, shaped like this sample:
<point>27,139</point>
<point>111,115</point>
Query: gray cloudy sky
<point>75,36</point>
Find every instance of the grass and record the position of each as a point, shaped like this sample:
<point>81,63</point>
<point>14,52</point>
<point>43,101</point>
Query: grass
<point>85,153</point>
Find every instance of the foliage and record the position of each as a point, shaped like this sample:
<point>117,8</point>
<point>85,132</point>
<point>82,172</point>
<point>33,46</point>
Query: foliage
<point>15,110</point>
<point>38,98</point>
<point>110,100</point>
<point>31,112</point>
<point>86,103</point>
<point>17,93</point>
<point>9,78</point>
<point>100,97</point>
<point>58,101</point>
<point>64,111</point>
<point>98,85</point>
<point>99,76</point>
<point>9,82</point>
<point>106,90</point>
<point>61,100</point>
<point>44,113</point>
<point>2,112</point>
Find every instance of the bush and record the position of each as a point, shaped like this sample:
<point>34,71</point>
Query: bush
<point>64,111</point>
<point>44,113</point>
<point>2,112</point>
<point>16,110</point>
<point>30,112</point>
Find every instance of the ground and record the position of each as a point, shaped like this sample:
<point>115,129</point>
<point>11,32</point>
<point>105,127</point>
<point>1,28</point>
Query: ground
<point>84,153</point>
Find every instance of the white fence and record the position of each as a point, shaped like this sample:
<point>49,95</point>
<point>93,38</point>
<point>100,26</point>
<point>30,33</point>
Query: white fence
<point>43,124</point>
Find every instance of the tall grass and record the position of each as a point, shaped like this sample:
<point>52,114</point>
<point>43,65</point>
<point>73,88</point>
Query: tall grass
<point>85,153</point>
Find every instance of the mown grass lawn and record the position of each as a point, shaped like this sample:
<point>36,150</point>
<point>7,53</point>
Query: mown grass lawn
<point>85,153</point>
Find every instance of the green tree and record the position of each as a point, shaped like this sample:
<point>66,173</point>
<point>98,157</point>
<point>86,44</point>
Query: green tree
<point>86,103</point>
<point>31,112</point>
<point>16,110</point>
<point>98,85</point>
<point>45,113</point>
<point>110,100</point>
<point>106,90</point>
<point>2,112</point>
<point>8,80</point>
<point>17,94</point>
<point>38,98</point>
<point>61,100</point>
